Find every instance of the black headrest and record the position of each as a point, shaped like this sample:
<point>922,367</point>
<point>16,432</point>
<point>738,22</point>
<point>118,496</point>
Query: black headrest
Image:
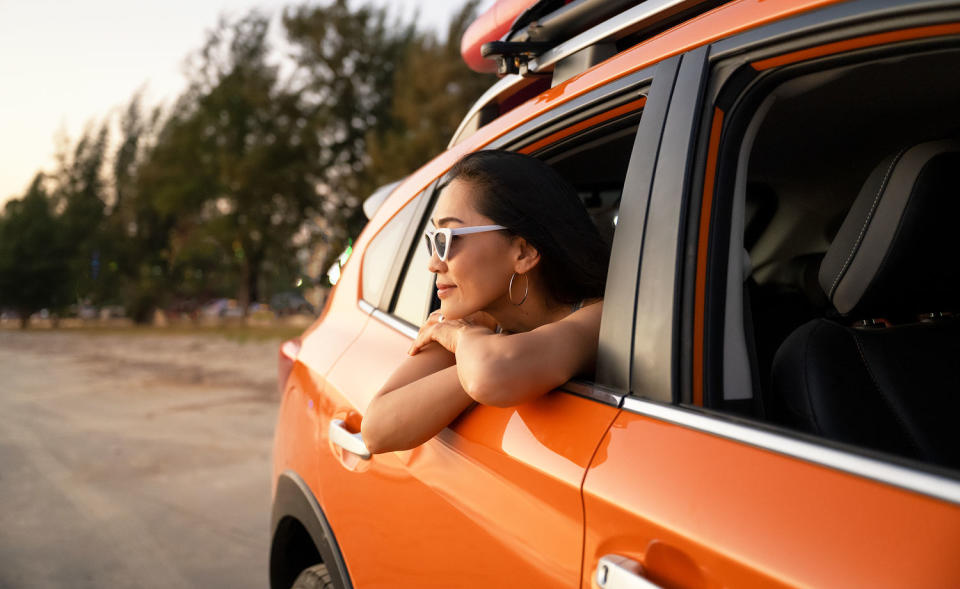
<point>898,250</point>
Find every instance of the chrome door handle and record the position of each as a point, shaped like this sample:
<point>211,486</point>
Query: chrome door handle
<point>348,441</point>
<point>620,572</point>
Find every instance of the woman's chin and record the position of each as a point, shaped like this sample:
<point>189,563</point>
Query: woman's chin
<point>452,311</point>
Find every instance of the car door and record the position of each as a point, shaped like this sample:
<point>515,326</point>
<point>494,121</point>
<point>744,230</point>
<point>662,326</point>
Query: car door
<point>494,499</point>
<point>692,486</point>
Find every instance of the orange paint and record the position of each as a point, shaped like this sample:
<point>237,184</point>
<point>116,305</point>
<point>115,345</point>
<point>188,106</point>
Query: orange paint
<point>857,43</point>
<point>525,524</point>
<point>721,513</point>
<point>700,289</point>
<point>535,495</point>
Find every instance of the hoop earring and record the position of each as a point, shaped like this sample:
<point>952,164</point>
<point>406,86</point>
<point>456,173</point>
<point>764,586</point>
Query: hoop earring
<point>526,289</point>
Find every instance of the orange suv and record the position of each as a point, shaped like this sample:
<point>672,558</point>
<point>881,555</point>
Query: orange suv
<point>777,395</point>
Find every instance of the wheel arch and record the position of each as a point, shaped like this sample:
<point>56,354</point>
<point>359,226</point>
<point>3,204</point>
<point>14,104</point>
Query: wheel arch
<point>301,535</point>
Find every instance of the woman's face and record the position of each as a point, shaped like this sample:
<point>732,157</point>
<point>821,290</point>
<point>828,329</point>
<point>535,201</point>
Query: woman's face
<point>478,267</point>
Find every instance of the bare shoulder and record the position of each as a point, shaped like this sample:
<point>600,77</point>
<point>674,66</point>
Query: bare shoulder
<point>588,314</point>
<point>595,304</point>
<point>583,323</point>
<point>570,344</point>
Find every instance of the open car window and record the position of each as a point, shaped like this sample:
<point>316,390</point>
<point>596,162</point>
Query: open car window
<point>837,295</point>
<point>592,154</point>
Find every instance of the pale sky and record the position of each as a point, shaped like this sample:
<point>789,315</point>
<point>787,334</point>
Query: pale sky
<point>66,64</point>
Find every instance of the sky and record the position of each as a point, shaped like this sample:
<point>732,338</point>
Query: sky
<point>64,65</point>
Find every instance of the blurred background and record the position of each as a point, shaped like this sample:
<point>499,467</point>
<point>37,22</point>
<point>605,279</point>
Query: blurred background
<point>179,183</point>
<point>182,160</point>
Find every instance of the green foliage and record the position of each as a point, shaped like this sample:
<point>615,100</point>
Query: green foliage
<point>347,63</point>
<point>81,194</point>
<point>256,152</point>
<point>259,165</point>
<point>432,91</point>
<point>34,269</point>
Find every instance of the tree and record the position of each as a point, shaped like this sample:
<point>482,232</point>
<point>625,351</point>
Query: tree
<point>81,195</point>
<point>347,63</point>
<point>254,148</point>
<point>432,91</point>
<point>255,163</point>
<point>34,268</point>
<point>139,234</point>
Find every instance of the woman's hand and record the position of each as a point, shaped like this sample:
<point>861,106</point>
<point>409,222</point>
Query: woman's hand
<point>447,332</point>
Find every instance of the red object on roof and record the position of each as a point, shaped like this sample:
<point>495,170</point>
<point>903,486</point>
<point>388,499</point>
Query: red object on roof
<point>490,26</point>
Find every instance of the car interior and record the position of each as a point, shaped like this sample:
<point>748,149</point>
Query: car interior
<point>596,165</point>
<point>850,280</point>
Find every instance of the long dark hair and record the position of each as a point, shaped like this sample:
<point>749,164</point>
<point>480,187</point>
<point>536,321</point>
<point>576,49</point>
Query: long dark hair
<point>531,200</point>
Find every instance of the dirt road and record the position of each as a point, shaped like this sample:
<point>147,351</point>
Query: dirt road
<point>134,460</point>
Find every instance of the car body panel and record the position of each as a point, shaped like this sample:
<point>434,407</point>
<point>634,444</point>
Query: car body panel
<point>497,493</point>
<point>535,495</point>
<point>701,511</point>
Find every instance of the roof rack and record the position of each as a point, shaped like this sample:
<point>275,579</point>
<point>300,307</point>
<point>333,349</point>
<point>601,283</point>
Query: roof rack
<point>645,15</point>
<point>632,20</point>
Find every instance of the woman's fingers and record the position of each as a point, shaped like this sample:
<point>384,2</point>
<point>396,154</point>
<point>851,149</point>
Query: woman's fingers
<point>444,333</point>
<point>424,336</point>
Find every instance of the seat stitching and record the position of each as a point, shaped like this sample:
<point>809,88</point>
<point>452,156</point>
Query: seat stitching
<point>866,222</point>
<point>883,395</point>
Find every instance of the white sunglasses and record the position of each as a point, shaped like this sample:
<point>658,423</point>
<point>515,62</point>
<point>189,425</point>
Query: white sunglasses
<point>439,239</point>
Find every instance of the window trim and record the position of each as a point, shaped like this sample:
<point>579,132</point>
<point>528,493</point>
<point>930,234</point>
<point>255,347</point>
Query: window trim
<point>615,93</point>
<point>818,28</point>
<point>655,323</point>
<point>613,114</point>
<point>389,320</point>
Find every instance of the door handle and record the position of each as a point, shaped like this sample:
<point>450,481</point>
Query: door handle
<point>620,572</point>
<point>350,442</point>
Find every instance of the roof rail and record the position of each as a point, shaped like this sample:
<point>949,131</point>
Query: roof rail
<point>633,20</point>
<point>627,22</point>
<point>502,86</point>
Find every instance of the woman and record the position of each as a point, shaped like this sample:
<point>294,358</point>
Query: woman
<point>520,273</point>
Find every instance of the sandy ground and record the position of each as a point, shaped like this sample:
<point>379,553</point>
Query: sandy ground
<point>134,460</point>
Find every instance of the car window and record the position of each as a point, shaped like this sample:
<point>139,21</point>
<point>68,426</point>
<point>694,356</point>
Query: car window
<point>594,160</point>
<point>413,299</point>
<point>381,253</point>
<point>831,316</point>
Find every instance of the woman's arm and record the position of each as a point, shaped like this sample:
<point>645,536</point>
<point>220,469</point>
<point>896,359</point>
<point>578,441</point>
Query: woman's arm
<point>456,363</point>
<point>418,400</point>
<point>507,370</point>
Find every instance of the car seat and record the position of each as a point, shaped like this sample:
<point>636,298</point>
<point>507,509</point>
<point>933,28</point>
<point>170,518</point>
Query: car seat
<point>884,374</point>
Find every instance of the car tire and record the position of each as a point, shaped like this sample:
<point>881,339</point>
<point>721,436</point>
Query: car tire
<point>315,577</point>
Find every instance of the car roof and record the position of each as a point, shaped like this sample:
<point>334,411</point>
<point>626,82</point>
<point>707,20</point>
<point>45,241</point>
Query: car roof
<point>561,55</point>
